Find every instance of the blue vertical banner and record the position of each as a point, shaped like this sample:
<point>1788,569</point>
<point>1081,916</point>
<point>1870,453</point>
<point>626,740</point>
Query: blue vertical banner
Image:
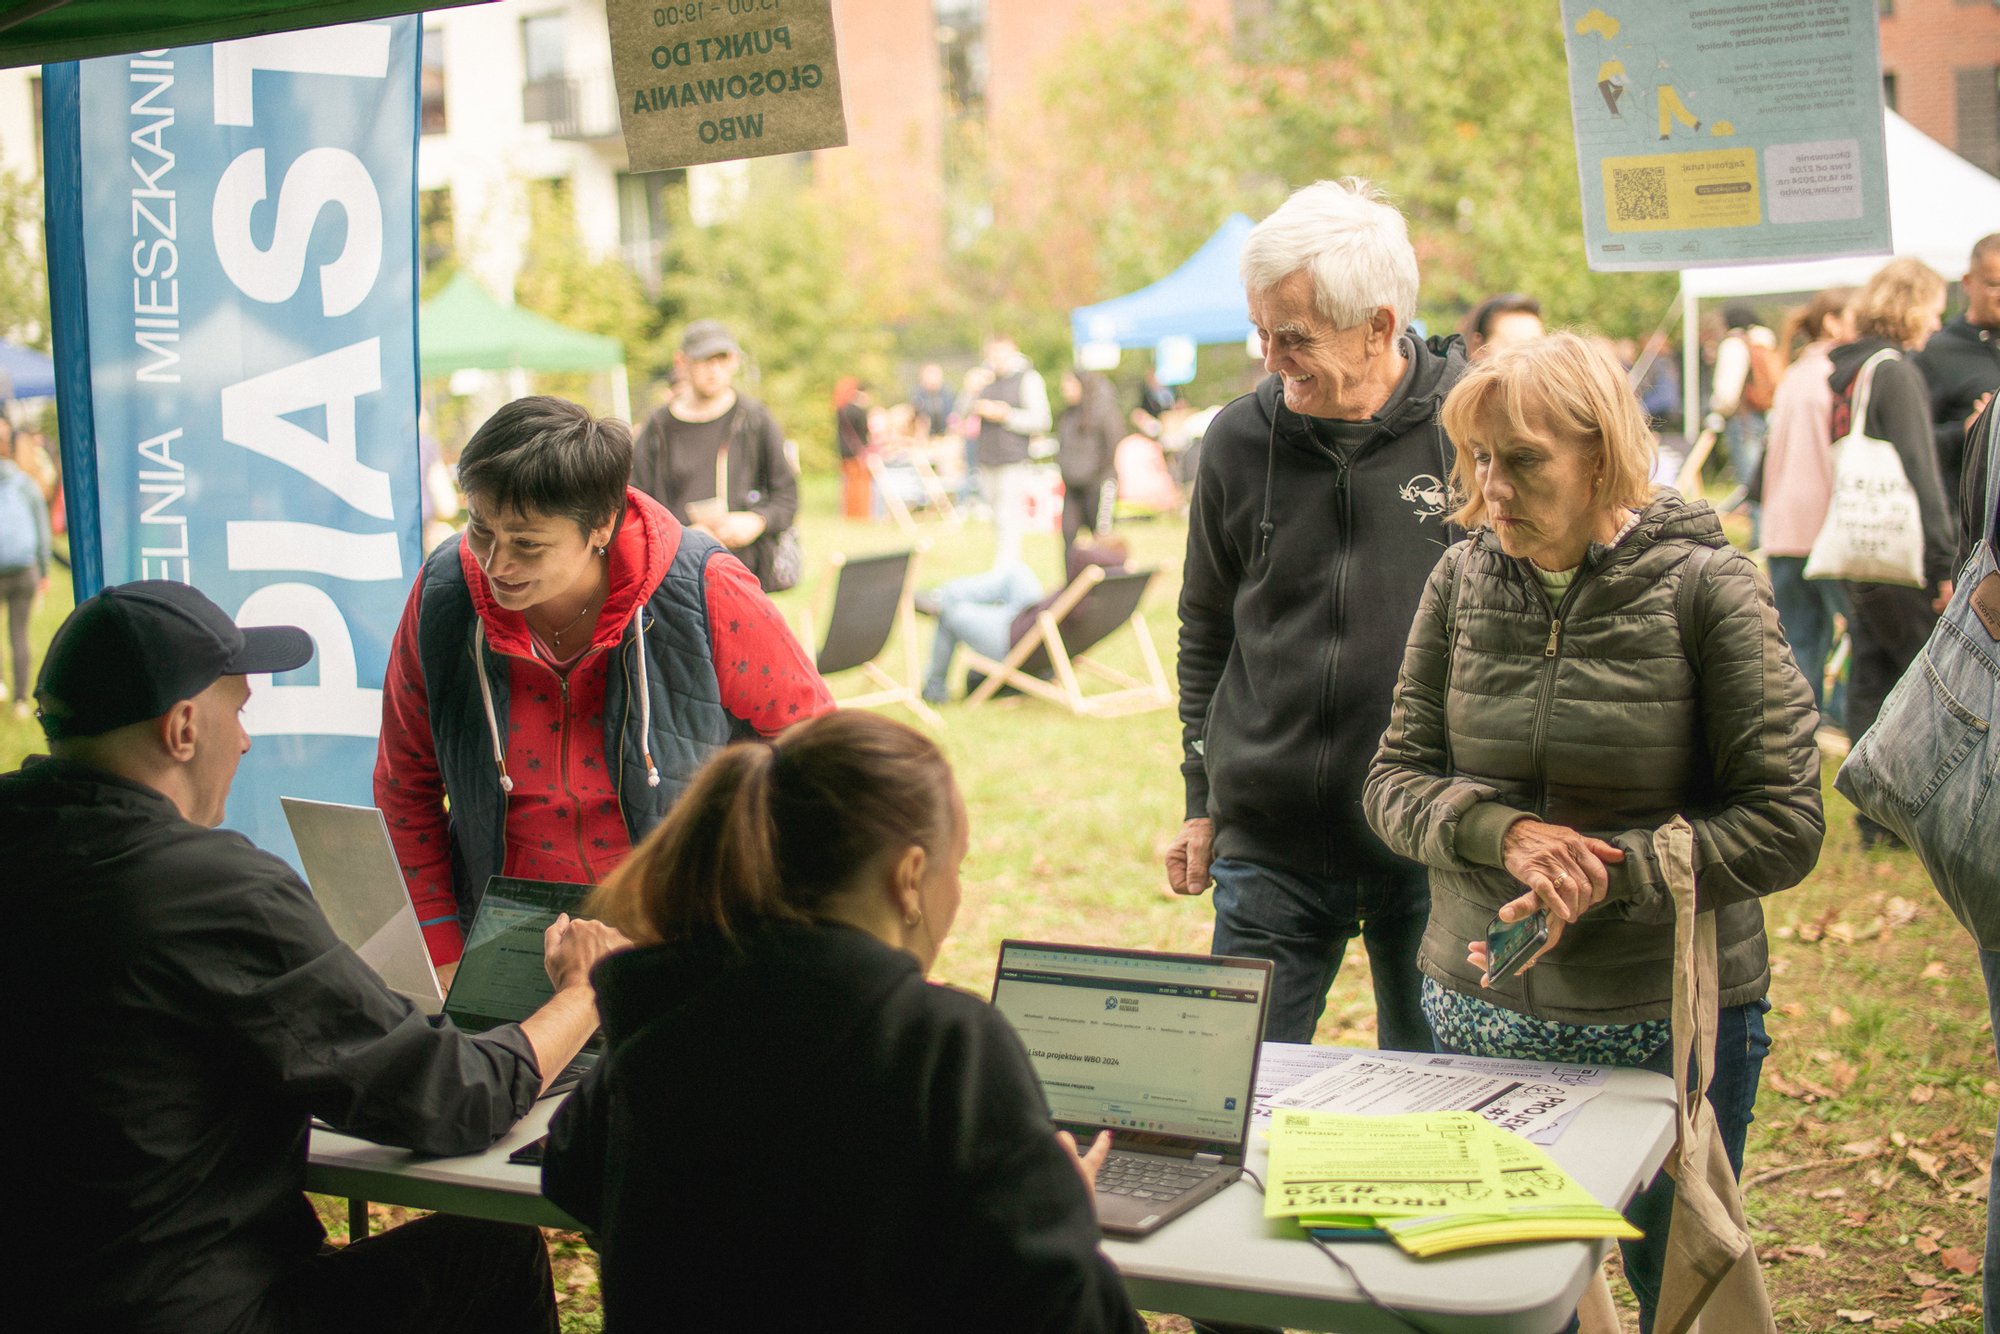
<point>232,242</point>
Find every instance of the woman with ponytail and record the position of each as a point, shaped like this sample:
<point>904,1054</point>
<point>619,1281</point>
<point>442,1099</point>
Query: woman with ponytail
<point>1798,481</point>
<point>790,1125</point>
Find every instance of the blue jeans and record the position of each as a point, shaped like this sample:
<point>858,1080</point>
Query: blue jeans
<point>978,610</point>
<point>1741,1044</point>
<point>1806,608</point>
<point>1743,437</point>
<point>1989,964</point>
<point>1302,925</point>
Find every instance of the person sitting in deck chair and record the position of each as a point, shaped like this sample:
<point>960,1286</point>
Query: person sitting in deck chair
<point>992,612</point>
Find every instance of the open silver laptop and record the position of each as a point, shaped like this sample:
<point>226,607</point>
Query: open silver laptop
<point>355,878</point>
<point>1159,1049</point>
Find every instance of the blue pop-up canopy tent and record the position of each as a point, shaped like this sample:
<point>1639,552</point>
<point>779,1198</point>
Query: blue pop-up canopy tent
<point>1201,301</point>
<point>25,373</point>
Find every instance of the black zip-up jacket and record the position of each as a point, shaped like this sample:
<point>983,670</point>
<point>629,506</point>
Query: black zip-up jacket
<point>808,1090</point>
<point>1960,363</point>
<point>1304,569</point>
<point>190,1008</point>
<point>1899,411</point>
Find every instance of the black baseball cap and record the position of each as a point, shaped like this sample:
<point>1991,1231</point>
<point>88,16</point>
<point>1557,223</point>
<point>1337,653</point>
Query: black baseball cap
<point>135,650</point>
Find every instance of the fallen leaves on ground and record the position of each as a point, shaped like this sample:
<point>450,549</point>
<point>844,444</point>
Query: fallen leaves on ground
<point>1959,1260</point>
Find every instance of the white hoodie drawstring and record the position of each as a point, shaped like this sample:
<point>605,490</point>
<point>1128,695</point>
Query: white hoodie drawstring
<point>645,702</point>
<point>492,721</point>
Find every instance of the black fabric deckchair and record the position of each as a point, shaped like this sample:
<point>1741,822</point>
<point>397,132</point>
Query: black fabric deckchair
<point>1045,661</point>
<point>871,600</point>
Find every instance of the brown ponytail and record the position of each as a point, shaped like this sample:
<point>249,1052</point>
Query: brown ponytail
<point>769,831</point>
<point>1807,324</point>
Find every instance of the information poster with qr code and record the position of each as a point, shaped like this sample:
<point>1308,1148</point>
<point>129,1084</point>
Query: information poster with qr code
<point>1727,133</point>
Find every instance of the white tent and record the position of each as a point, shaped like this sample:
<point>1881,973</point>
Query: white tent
<point>1939,204</point>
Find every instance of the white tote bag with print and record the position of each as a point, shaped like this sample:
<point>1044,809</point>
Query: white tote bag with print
<point>1874,532</point>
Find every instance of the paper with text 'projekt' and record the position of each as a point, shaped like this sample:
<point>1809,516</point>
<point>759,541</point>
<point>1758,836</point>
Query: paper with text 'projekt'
<point>1434,1182</point>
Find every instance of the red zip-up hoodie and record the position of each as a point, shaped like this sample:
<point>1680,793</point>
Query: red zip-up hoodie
<point>563,816</point>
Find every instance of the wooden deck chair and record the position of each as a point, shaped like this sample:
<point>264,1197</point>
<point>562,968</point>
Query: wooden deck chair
<point>1688,481</point>
<point>937,500</point>
<point>870,601</point>
<point>1092,608</point>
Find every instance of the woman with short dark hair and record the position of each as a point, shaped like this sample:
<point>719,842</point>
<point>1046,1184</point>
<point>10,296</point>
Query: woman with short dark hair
<point>563,669</point>
<point>790,1125</point>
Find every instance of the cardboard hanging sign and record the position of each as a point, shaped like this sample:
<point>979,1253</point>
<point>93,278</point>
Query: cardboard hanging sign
<point>710,80</point>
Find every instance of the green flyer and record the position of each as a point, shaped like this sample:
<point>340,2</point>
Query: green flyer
<point>1727,133</point>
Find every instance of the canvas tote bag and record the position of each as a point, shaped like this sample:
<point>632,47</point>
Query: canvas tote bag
<point>1712,1283</point>
<point>1928,767</point>
<point>1874,532</point>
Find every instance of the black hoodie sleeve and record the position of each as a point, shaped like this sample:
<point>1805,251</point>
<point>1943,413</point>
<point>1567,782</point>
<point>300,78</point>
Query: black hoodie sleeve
<point>1973,519</point>
<point>1899,411</point>
<point>1209,578</point>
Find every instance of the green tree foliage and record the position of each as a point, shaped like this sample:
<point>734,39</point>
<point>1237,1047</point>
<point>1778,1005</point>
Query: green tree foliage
<point>778,274</point>
<point>1461,111</point>
<point>1134,157</point>
<point>24,293</point>
<point>1154,129</point>
<point>559,279</point>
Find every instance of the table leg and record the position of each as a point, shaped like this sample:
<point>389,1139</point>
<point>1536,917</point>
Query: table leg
<point>357,1221</point>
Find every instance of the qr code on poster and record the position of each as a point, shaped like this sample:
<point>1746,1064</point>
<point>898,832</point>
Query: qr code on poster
<point>1640,193</point>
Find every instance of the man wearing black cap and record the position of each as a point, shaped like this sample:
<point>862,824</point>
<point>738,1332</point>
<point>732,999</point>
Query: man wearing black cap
<point>716,459</point>
<point>191,1008</point>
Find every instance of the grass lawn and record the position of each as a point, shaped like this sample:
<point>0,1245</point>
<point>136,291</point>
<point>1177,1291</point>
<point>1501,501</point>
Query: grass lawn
<point>1867,1165</point>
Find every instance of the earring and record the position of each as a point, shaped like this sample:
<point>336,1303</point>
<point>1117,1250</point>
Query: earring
<point>916,916</point>
<point>600,551</point>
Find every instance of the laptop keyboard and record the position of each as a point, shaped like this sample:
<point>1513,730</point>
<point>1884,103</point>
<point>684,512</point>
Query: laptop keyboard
<point>1145,1177</point>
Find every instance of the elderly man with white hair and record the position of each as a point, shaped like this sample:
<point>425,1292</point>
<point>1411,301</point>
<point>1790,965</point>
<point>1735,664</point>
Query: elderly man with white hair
<point>1318,512</point>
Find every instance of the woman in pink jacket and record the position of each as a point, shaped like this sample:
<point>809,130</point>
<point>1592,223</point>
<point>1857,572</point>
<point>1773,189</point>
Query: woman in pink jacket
<point>1798,482</point>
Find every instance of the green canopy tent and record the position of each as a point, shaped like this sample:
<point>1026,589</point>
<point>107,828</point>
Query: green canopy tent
<point>463,328</point>
<point>33,32</point>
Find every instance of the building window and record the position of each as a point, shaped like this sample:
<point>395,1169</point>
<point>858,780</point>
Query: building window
<point>1888,90</point>
<point>432,81</point>
<point>642,221</point>
<point>545,91</point>
<point>961,31</point>
<point>1978,91</point>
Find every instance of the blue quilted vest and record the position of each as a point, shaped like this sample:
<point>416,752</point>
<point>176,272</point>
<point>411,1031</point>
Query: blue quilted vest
<point>688,720</point>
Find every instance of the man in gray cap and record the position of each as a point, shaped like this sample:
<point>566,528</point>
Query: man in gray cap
<point>192,1008</point>
<point>716,458</point>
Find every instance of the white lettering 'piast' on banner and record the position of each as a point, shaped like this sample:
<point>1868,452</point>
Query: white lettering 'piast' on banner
<point>251,358</point>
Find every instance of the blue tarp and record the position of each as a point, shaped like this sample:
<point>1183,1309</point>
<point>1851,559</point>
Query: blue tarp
<point>25,373</point>
<point>1201,300</point>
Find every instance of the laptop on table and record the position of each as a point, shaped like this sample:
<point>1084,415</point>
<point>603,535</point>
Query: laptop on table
<point>1159,1049</point>
<point>501,978</point>
<point>352,869</point>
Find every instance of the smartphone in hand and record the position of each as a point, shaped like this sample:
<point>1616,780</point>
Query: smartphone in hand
<point>1509,945</point>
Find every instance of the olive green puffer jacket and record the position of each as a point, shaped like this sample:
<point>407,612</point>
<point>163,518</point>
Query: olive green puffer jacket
<point>1608,715</point>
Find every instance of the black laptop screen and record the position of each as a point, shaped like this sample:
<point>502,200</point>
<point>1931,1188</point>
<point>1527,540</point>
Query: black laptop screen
<point>500,978</point>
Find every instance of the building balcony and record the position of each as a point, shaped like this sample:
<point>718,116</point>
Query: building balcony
<point>581,107</point>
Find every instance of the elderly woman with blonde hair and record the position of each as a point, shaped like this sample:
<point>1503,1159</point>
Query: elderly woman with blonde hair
<point>1593,662</point>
